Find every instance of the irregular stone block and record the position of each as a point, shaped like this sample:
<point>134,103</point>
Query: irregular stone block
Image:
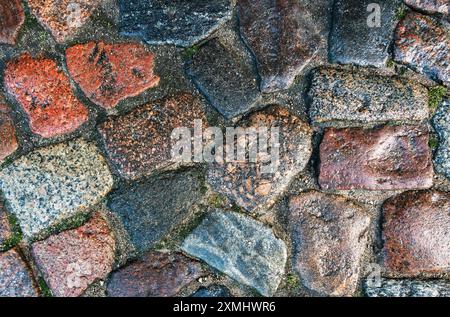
<point>240,247</point>
<point>416,233</point>
<point>149,210</point>
<point>384,158</point>
<point>45,94</point>
<point>15,277</point>
<point>156,274</point>
<point>348,96</point>
<point>441,122</point>
<point>329,239</point>
<point>52,184</point>
<point>178,22</point>
<point>423,43</point>
<point>5,227</point>
<point>8,140</point>
<point>228,82</point>
<point>409,288</point>
<point>431,6</point>
<point>12,18</point>
<point>109,73</point>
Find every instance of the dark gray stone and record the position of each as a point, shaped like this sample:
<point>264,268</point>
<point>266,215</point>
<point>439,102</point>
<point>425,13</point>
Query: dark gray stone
<point>226,78</point>
<point>353,41</point>
<point>441,123</point>
<point>407,288</point>
<point>151,209</point>
<point>178,22</point>
<point>212,291</point>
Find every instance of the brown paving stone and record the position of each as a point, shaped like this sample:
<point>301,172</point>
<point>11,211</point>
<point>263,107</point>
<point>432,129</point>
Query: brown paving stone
<point>15,277</point>
<point>432,6</point>
<point>8,140</point>
<point>5,227</point>
<point>330,237</point>
<point>63,17</point>
<point>156,274</point>
<point>11,19</point>
<point>416,233</point>
<point>109,73</point>
<point>386,158</point>
<point>140,142</point>
<point>282,35</point>
<point>72,260</point>
<point>45,94</point>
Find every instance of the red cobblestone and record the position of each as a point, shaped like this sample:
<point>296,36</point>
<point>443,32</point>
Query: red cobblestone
<point>12,18</point>
<point>15,277</point>
<point>45,94</point>
<point>8,140</point>
<point>109,73</point>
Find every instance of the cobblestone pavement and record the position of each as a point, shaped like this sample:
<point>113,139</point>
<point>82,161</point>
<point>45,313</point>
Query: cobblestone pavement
<point>93,203</point>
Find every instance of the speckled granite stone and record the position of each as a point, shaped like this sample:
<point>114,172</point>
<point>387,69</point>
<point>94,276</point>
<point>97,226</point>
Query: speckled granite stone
<point>8,139</point>
<point>213,290</point>
<point>52,184</point>
<point>12,18</point>
<point>408,288</point>
<point>431,6</point>
<point>441,122</point>
<point>5,227</point>
<point>15,277</point>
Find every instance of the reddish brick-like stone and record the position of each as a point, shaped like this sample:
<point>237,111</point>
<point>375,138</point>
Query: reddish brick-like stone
<point>5,228</point>
<point>386,158</point>
<point>15,277</point>
<point>416,233</point>
<point>432,6</point>
<point>11,19</point>
<point>8,140</point>
<point>109,73</point>
<point>72,260</point>
<point>156,274</point>
<point>140,142</point>
<point>45,94</point>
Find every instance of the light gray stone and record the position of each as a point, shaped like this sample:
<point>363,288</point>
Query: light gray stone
<point>407,288</point>
<point>441,122</point>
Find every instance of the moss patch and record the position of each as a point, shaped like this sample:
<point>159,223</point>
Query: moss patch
<point>45,290</point>
<point>189,52</point>
<point>435,96</point>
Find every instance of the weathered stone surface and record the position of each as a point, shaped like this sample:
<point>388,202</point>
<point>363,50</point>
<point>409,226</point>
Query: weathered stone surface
<point>15,278</point>
<point>212,291</point>
<point>416,233</point>
<point>63,17</point>
<point>109,73</point>
<point>348,96</point>
<point>52,184</point>
<point>329,239</point>
<point>5,227</point>
<point>149,210</point>
<point>72,260</point>
<point>227,81</point>
<point>283,37</point>
<point>431,6</point>
<point>8,140</point>
<point>246,183</point>
<point>156,274</point>
<point>45,94</point>
<point>355,39</point>
<point>409,288</point>
<point>423,43</point>
<point>240,247</point>
<point>441,122</point>
<point>12,18</point>
<point>384,158</point>
<point>140,142</point>
<point>178,22</point>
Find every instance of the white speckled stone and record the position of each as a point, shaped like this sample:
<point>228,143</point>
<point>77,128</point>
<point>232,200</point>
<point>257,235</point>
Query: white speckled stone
<point>52,184</point>
<point>441,122</point>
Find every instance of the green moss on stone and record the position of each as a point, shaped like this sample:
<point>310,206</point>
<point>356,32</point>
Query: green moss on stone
<point>435,96</point>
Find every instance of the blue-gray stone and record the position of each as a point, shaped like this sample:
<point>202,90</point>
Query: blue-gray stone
<point>212,291</point>
<point>441,122</point>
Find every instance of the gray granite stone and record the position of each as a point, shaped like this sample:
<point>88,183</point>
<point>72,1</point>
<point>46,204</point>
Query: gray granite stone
<point>240,247</point>
<point>52,184</point>
<point>212,291</point>
<point>407,288</point>
<point>15,277</point>
<point>441,122</point>
<point>355,41</point>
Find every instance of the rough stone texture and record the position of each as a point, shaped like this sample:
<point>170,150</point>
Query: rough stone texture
<point>5,227</point>
<point>240,247</point>
<point>423,43</point>
<point>12,18</point>
<point>431,6</point>
<point>441,122</point>
<point>8,140</point>
<point>52,184</point>
<point>353,41</point>
<point>15,278</point>
<point>212,291</point>
<point>416,233</point>
<point>349,96</point>
<point>385,158</point>
<point>72,260</point>
<point>140,142</point>
<point>156,274</point>
<point>149,210</point>
<point>244,182</point>
<point>282,35</point>
<point>109,73</point>
<point>228,82</point>
<point>45,94</point>
<point>63,18</point>
<point>409,288</point>
<point>329,239</point>
<point>178,22</point>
